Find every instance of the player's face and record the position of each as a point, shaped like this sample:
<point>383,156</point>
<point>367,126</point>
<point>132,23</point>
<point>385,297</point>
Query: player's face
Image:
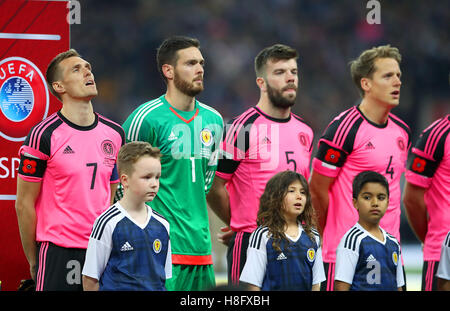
<point>143,183</point>
<point>77,78</point>
<point>371,203</point>
<point>294,200</point>
<point>384,86</point>
<point>282,82</point>
<point>188,71</point>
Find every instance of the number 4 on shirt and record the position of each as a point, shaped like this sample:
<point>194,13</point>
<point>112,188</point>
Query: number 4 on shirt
<point>389,169</point>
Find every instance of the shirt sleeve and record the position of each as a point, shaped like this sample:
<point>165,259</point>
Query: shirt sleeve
<point>318,269</point>
<point>114,179</point>
<point>331,155</point>
<point>97,253</point>
<point>400,278</point>
<point>443,271</point>
<point>426,155</point>
<point>233,148</point>
<point>168,266</point>
<point>145,132</point>
<point>346,260</point>
<point>256,264</point>
<point>33,157</point>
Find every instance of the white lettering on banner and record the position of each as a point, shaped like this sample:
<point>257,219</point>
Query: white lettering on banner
<point>12,70</point>
<point>8,167</point>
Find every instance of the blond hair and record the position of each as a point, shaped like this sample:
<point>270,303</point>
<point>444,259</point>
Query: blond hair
<point>364,65</point>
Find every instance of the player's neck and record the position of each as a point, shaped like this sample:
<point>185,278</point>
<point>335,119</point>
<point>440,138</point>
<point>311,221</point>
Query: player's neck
<point>135,208</point>
<point>79,112</point>
<point>272,111</point>
<point>375,112</point>
<point>291,227</point>
<point>179,100</point>
<point>372,228</point>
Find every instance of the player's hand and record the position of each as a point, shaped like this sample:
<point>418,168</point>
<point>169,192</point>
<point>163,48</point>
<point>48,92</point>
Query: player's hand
<point>225,237</point>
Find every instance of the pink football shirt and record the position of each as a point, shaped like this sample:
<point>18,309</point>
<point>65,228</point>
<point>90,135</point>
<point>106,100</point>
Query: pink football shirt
<point>430,168</point>
<point>75,165</point>
<point>352,144</point>
<point>254,148</point>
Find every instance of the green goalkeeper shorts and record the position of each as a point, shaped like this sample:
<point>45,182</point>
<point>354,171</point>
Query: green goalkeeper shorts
<point>191,278</point>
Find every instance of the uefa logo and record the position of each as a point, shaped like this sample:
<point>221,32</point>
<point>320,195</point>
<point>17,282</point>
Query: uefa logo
<point>24,98</point>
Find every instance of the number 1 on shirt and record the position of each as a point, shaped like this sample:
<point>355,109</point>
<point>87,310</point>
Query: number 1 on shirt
<point>193,168</point>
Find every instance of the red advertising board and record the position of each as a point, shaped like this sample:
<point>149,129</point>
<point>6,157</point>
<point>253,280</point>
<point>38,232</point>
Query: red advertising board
<point>31,34</point>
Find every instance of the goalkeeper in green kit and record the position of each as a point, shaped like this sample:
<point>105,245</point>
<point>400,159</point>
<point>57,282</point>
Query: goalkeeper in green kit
<point>188,134</point>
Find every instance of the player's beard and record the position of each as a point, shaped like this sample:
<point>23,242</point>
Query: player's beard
<point>277,98</point>
<point>186,87</point>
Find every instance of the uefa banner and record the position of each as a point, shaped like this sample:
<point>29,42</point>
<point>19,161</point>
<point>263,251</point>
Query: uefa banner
<point>31,34</point>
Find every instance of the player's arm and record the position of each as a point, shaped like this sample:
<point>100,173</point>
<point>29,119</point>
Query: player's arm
<point>316,287</point>
<point>326,164</point>
<point>341,286</point>
<point>90,284</point>
<point>251,287</point>
<point>27,193</point>
<point>218,199</point>
<point>319,187</point>
<point>443,284</point>
<point>219,202</point>
<point>416,209</point>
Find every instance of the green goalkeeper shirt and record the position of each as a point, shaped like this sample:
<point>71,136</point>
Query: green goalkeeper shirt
<point>189,143</point>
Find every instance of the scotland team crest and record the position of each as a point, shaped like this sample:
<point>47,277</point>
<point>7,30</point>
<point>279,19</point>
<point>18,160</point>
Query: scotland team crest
<point>395,258</point>
<point>157,246</point>
<point>311,254</point>
<point>206,137</point>
<point>24,98</point>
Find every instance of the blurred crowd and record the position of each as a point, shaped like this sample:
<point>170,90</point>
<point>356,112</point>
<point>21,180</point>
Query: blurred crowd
<point>120,39</point>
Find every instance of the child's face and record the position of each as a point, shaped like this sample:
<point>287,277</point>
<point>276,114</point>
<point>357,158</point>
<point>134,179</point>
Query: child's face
<point>294,200</point>
<point>372,202</point>
<point>143,183</point>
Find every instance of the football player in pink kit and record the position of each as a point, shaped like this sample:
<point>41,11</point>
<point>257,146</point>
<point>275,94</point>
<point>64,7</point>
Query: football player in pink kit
<point>364,137</point>
<point>67,176</point>
<point>427,195</point>
<point>262,141</point>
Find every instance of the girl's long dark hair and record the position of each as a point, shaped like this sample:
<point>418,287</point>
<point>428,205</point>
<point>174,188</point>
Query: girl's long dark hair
<point>270,212</point>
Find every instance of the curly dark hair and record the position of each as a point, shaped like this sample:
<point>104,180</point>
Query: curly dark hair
<point>270,212</point>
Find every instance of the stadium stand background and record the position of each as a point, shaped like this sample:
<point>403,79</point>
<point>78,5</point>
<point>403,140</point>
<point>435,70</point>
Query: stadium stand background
<point>120,39</point>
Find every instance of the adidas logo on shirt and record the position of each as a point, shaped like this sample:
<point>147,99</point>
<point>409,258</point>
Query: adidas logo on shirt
<point>68,150</point>
<point>126,247</point>
<point>172,136</point>
<point>266,140</point>
<point>370,146</point>
<point>281,257</point>
<point>370,258</point>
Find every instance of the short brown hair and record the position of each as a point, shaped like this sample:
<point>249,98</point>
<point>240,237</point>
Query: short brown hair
<point>131,152</point>
<point>364,65</point>
<point>167,51</point>
<point>53,73</point>
<point>275,52</point>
